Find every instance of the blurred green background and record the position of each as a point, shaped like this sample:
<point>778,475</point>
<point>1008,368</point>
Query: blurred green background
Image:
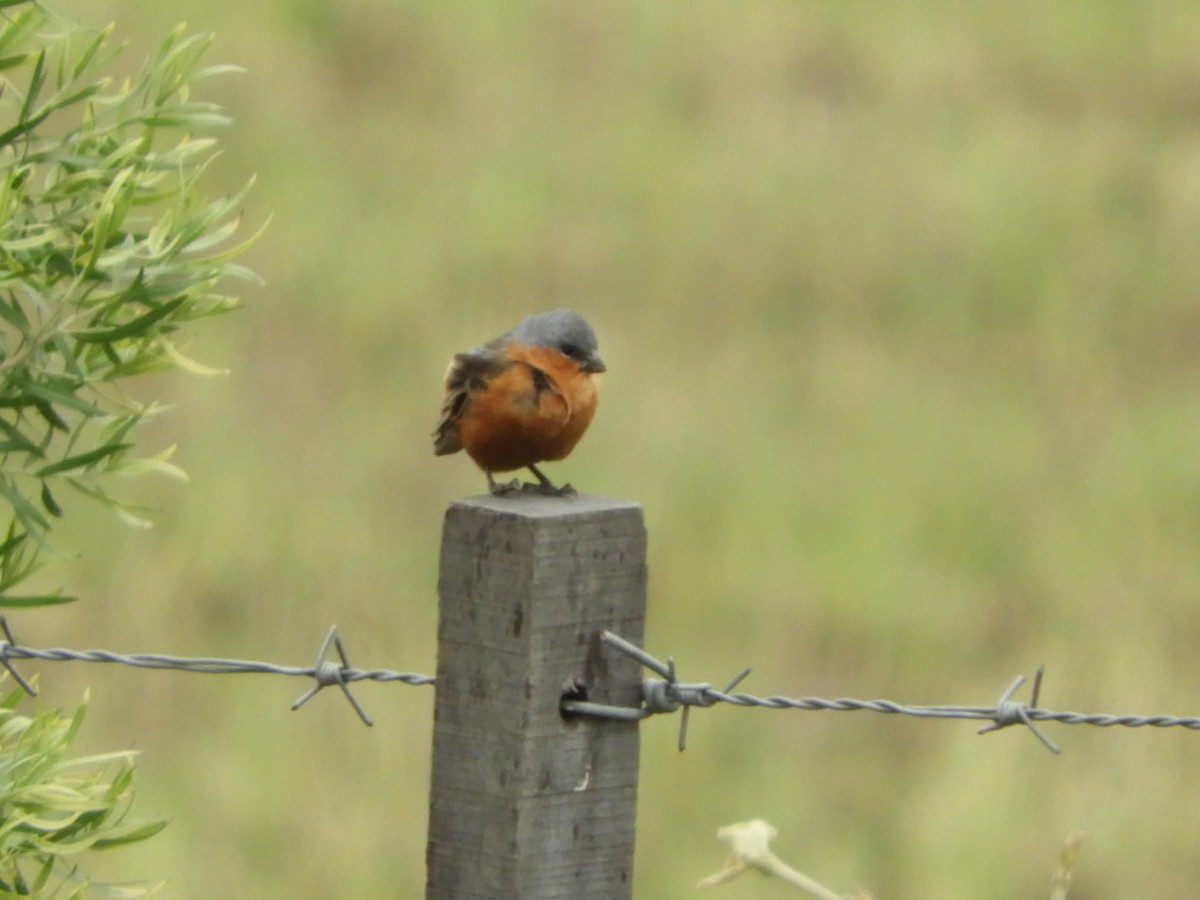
<point>900,306</point>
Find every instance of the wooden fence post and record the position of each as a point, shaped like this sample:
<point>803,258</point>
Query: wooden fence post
<point>524,803</point>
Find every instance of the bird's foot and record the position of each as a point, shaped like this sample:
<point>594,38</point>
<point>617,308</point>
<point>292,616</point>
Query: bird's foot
<point>545,486</point>
<point>503,488</point>
<point>546,489</point>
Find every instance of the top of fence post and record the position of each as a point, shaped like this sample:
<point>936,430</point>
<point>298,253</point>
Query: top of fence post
<point>526,803</point>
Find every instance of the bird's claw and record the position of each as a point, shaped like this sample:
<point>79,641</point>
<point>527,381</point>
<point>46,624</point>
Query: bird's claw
<point>502,488</point>
<point>548,490</point>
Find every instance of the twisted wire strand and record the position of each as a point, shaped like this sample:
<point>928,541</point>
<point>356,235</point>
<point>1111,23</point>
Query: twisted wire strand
<point>668,694</point>
<point>208,665</point>
<point>324,672</point>
<point>844,704</point>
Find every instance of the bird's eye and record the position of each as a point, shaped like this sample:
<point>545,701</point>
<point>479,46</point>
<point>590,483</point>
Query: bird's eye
<point>572,350</point>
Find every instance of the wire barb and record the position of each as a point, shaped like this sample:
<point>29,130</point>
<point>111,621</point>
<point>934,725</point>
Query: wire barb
<point>670,694</point>
<point>327,672</point>
<point>9,643</point>
<point>1010,713</point>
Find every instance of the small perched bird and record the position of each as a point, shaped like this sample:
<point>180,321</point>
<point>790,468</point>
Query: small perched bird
<point>524,398</point>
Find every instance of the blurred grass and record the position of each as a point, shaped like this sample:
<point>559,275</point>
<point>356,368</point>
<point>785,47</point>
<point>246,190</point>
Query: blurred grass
<point>900,309</point>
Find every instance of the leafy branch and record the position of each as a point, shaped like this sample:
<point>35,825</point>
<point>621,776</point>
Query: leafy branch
<point>55,809</point>
<point>108,249</point>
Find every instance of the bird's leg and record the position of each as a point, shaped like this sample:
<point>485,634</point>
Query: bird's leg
<point>502,488</point>
<point>546,486</point>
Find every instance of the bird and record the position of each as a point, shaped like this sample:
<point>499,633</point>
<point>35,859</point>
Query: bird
<point>523,398</point>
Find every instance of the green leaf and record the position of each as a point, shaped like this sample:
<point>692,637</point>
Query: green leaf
<point>90,51</point>
<point>43,874</point>
<point>72,365</point>
<point>12,313</point>
<point>11,62</point>
<point>30,518</point>
<point>219,69</point>
<point>36,80</point>
<point>24,127</point>
<point>50,503</point>
<point>120,783</point>
<point>47,412</point>
<point>17,441</point>
<point>119,427</point>
<point>187,116</point>
<point>146,360</point>
<point>111,212</point>
<point>65,100</point>
<point>129,834</point>
<point>81,460</point>
<point>213,236</point>
<point>188,364</point>
<point>76,721</point>
<point>13,542</point>
<point>15,563</point>
<point>62,395</point>
<point>18,28</point>
<point>59,264</point>
<point>27,601</point>
<point>134,327</point>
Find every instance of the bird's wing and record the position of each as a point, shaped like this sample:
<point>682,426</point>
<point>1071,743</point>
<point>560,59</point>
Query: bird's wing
<point>467,372</point>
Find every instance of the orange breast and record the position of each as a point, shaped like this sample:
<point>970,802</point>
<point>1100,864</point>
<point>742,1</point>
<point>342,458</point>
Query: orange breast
<point>512,423</point>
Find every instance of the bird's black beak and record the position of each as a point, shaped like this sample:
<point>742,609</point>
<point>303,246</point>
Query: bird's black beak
<point>593,363</point>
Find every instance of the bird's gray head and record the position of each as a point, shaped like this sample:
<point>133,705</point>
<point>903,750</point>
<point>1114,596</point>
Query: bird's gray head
<point>563,330</point>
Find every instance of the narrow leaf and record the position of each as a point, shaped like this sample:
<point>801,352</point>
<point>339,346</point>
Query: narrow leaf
<point>27,601</point>
<point>36,80</point>
<point>14,541</point>
<point>129,834</point>
<point>89,52</point>
<point>45,395</point>
<point>17,441</point>
<point>30,518</point>
<point>12,313</point>
<point>188,364</point>
<point>81,460</point>
<point>50,503</point>
<point>134,327</point>
<point>7,137</point>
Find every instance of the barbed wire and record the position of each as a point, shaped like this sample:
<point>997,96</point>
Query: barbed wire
<point>665,694</point>
<point>325,672</point>
<point>668,694</point>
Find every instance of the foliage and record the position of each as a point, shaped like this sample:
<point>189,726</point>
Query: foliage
<point>107,249</point>
<point>52,809</point>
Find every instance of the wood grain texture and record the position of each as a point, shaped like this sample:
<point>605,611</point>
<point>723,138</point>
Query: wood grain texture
<point>525,803</point>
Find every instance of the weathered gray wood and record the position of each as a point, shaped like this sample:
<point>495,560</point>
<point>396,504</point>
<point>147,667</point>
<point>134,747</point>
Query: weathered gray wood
<point>525,804</point>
